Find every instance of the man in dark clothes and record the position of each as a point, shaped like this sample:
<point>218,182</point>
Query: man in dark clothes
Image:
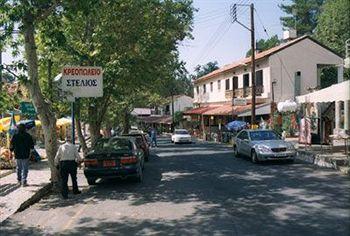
<point>22,143</point>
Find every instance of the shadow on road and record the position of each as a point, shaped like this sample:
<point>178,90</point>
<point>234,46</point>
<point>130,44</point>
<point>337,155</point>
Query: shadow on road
<point>226,196</point>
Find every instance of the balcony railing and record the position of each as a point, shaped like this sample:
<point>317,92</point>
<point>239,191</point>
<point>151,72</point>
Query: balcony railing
<point>244,92</point>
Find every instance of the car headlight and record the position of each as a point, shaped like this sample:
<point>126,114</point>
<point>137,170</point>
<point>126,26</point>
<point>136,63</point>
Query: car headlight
<point>263,149</point>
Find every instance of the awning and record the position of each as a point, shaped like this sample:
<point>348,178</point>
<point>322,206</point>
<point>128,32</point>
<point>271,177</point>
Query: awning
<point>263,109</point>
<point>5,123</point>
<point>221,110</point>
<point>199,110</point>
<point>156,119</point>
<point>336,92</point>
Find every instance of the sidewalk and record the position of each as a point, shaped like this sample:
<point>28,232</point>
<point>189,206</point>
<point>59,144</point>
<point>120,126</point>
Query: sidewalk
<point>13,197</point>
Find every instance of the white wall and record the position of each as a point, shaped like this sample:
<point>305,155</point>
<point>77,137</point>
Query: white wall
<point>304,57</point>
<point>217,96</point>
<point>181,103</point>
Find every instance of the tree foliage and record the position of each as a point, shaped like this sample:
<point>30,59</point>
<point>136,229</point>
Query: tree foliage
<point>302,15</point>
<point>333,27</point>
<point>202,70</point>
<point>263,44</point>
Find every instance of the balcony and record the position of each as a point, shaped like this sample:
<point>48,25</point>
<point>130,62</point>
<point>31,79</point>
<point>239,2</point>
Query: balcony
<point>244,92</point>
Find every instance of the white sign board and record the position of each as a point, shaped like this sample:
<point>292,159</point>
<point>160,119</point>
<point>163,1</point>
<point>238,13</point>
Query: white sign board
<point>81,81</point>
<point>239,101</point>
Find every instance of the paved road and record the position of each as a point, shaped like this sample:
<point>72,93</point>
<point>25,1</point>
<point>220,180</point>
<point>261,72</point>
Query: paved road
<point>199,189</point>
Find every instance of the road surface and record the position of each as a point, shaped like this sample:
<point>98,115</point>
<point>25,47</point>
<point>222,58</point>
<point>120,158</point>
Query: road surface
<point>199,189</point>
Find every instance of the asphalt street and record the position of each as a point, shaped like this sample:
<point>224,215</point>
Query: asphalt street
<point>199,189</point>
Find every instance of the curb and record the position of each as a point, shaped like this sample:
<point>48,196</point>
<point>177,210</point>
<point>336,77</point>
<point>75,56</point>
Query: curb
<point>7,173</point>
<point>36,197</point>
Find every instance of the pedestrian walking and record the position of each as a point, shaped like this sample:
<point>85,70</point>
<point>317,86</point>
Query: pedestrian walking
<point>67,159</point>
<point>154,137</point>
<point>21,144</point>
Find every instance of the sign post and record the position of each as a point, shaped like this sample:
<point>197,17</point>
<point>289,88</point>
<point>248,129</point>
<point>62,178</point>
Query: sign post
<point>27,108</point>
<point>81,81</point>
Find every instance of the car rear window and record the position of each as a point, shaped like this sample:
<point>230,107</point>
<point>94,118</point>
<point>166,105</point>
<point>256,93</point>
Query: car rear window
<point>181,132</point>
<point>113,144</point>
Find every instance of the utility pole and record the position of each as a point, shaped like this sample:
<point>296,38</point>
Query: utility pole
<point>252,34</point>
<point>172,113</point>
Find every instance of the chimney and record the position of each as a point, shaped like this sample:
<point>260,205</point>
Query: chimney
<point>289,34</point>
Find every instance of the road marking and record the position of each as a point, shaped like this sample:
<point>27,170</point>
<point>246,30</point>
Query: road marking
<point>78,213</point>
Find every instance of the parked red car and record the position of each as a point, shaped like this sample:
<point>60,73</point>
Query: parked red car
<point>142,141</point>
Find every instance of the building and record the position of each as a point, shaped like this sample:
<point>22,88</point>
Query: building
<point>282,72</point>
<point>181,103</point>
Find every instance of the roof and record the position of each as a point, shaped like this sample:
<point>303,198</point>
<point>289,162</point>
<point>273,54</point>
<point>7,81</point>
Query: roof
<point>258,56</point>
<point>223,110</point>
<point>336,92</point>
<point>156,119</point>
<point>199,110</point>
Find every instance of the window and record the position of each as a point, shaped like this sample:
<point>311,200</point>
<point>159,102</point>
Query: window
<point>297,83</point>
<point>235,82</point>
<point>219,84</point>
<point>245,80</point>
<point>204,88</point>
<point>197,89</point>
<point>211,86</point>
<point>259,78</point>
<point>227,84</point>
<point>243,135</point>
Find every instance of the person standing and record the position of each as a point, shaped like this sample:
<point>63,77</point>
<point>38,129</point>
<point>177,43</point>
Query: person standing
<point>21,144</point>
<point>68,158</point>
<point>154,137</point>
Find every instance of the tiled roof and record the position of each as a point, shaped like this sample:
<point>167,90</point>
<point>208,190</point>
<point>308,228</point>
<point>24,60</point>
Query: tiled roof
<point>199,110</point>
<point>247,60</point>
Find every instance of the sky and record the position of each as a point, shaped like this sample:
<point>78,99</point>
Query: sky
<point>216,38</point>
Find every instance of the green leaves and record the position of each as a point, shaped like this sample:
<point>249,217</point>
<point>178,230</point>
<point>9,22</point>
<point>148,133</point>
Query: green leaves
<point>333,27</point>
<point>302,15</point>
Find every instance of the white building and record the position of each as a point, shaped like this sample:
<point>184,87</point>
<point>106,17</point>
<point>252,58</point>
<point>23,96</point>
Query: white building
<point>181,103</point>
<point>283,72</point>
<point>292,68</point>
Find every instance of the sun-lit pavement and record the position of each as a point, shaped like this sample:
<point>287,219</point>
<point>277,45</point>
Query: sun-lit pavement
<point>199,189</point>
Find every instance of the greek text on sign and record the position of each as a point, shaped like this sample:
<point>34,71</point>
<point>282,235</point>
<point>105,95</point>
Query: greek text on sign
<point>82,81</point>
<point>239,101</point>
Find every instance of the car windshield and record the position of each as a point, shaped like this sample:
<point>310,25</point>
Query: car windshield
<point>263,135</point>
<point>113,144</point>
<point>181,132</point>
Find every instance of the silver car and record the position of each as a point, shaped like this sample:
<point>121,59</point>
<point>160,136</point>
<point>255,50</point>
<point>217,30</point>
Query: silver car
<point>263,145</point>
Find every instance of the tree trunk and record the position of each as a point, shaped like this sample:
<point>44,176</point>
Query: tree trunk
<point>44,109</point>
<point>126,127</point>
<point>79,129</point>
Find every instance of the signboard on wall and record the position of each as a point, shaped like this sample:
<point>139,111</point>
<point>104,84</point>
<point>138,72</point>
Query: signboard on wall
<point>82,81</point>
<point>239,101</point>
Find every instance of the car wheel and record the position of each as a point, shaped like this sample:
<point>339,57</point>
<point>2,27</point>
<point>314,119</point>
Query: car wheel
<point>91,181</point>
<point>139,177</point>
<point>254,157</point>
<point>235,151</point>
<point>147,156</point>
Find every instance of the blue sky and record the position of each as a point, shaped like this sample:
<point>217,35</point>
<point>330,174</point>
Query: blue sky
<point>216,38</point>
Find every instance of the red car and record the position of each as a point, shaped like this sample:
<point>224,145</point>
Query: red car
<point>142,142</point>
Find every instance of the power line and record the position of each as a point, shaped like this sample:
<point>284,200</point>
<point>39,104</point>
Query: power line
<point>279,58</point>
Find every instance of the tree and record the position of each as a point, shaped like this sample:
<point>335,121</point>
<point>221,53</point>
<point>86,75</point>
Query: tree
<point>302,15</point>
<point>333,27</point>
<point>27,15</point>
<point>263,44</point>
<point>202,70</point>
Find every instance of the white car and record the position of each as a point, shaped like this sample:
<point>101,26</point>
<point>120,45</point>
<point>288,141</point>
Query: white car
<point>181,136</point>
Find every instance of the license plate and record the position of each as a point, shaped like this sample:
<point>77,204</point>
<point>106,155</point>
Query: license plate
<point>109,163</point>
